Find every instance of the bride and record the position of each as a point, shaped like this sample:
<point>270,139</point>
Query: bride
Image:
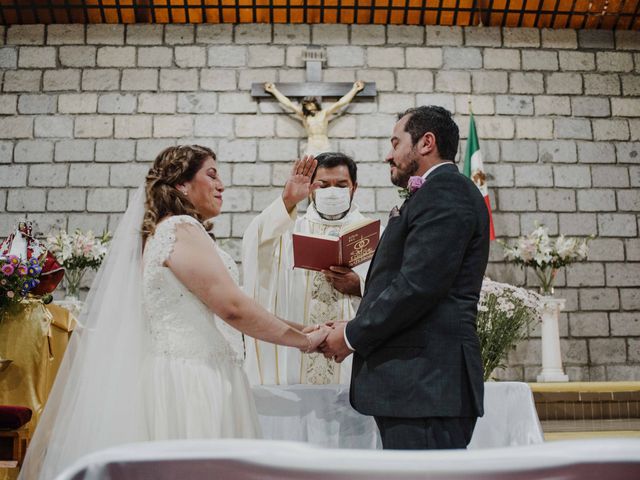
<point>160,352</point>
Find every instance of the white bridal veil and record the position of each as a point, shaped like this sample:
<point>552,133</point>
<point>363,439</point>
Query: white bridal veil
<point>96,401</point>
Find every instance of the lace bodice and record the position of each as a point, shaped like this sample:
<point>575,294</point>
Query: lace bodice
<point>181,325</point>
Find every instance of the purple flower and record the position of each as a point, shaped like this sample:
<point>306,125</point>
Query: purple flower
<point>22,270</point>
<point>7,269</point>
<point>414,184</point>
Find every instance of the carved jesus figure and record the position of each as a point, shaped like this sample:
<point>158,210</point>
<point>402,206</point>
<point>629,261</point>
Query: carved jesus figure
<point>314,118</point>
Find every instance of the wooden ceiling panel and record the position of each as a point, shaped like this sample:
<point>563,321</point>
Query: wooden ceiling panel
<point>576,14</point>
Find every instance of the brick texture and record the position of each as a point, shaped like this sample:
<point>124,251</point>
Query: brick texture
<point>84,109</point>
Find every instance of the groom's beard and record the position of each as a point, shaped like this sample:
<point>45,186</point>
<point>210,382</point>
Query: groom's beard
<point>401,176</point>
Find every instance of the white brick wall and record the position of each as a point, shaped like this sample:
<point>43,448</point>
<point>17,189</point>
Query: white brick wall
<point>84,109</point>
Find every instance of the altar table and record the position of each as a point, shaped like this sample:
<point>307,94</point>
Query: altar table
<point>595,459</point>
<point>35,339</point>
<point>321,415</point>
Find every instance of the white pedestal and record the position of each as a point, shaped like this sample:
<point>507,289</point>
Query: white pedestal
<point>552,370</point>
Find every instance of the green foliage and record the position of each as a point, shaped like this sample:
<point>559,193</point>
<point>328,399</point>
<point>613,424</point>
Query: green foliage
<point>505,313</point>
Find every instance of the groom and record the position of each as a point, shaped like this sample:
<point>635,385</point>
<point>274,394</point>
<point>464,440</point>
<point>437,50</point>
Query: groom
<point>417,366</point>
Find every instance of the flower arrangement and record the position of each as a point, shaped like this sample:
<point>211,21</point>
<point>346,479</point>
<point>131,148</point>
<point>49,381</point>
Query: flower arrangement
<point>504,314</point>
<point>17,279</point>
<point>76,253</point>
<point>545,255</point>
<point>413,185</point>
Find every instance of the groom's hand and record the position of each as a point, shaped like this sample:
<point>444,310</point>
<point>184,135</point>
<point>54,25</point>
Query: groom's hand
<point>334,345</point>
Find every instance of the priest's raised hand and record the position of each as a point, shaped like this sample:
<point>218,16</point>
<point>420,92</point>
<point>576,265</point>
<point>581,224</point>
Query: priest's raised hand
<point>299,186</point>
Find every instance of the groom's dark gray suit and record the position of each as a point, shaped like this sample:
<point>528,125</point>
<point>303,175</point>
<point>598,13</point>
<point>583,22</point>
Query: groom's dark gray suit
<point>417,365</point>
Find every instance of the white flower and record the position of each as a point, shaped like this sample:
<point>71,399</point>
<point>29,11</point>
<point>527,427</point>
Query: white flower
<point>543,258</point>
<point>504,315</point>
<point>505,305</point>
<point>79,250</point>
<point>66,252</point>
<point>508,297</point>
<point>539,251</point>
<point>541,233</point>
<point>583,249</point>
<point>511,253</point>
<point>526,249</point>
<point>544,242</point>
<point>565,247</point>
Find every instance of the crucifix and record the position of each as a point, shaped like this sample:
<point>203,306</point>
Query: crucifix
<point>314,118</point>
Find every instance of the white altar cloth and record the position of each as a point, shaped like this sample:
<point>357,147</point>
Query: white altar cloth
<point>269,460</point>
<point>312,416</point>
<point>321,415</point>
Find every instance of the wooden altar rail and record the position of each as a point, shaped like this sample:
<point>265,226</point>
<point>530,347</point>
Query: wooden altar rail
<point>588,409</point>
<point>13,447</point>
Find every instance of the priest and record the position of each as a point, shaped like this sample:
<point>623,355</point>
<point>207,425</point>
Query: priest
<point>329,182</point>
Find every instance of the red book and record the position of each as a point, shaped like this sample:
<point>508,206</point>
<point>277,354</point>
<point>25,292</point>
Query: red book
<point>355,244</point>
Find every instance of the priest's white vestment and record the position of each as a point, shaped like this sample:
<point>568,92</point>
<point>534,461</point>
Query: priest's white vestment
<point>301,296</point>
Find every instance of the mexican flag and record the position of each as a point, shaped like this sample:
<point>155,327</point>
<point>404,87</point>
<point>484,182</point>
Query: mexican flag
<point>474,170</point>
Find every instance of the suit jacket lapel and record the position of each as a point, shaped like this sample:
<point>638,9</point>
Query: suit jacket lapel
<point>444,168</point>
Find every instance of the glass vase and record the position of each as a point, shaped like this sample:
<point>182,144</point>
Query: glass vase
<point>72,279</point>
<point>546,277</point>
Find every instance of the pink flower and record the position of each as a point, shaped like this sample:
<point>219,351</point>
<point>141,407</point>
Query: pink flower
<point>414,184</point>
<point>22,270</point>
<point>10,294</point>
<point>7,269</point>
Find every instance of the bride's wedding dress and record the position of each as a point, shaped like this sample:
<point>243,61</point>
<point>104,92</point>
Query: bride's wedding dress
<point>194,384</point>
<point>148,360</point>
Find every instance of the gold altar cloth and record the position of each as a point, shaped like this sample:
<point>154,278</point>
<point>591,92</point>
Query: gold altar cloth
<point>35,338</point>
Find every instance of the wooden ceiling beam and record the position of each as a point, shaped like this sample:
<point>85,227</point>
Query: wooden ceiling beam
<point>598,14</point>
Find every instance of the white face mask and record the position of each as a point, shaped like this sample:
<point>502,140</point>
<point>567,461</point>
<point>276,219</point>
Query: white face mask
<point>332,200</point>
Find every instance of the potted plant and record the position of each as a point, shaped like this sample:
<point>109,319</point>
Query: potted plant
<point>505,313</point>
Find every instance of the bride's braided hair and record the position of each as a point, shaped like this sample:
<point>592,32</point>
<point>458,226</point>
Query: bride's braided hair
<point>173,166</point>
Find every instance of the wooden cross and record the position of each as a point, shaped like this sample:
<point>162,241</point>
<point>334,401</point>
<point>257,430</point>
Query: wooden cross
<point>314,87</point>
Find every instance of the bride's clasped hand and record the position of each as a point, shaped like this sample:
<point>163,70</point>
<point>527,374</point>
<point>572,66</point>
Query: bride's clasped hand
<point>316,334</point>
